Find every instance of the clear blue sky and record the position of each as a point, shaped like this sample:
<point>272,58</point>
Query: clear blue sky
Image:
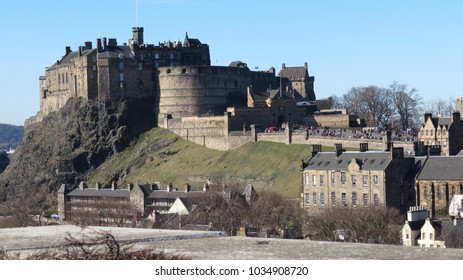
<point>346,43</point>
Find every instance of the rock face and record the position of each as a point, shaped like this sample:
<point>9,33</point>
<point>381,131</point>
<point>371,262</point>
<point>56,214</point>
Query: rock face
<point>4,161</point>
<point>68,144</point>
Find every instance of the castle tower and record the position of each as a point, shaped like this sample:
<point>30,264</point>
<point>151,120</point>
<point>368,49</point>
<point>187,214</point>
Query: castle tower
<point>138,35</point>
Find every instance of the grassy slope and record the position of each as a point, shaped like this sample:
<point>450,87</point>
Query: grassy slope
<point>161,156</point>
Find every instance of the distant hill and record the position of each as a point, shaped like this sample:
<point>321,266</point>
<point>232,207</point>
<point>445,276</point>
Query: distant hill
<point>10,136</point>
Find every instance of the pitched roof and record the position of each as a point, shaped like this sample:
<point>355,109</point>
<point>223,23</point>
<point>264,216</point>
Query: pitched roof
<point>370,160</point>
<point>118,193</point>
<point>442,168</point>
<point>416,225</point>
<point>174,194</point>
<point>291,73</point>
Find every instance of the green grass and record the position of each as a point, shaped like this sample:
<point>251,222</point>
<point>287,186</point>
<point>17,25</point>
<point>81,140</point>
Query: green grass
<point>161,156</point>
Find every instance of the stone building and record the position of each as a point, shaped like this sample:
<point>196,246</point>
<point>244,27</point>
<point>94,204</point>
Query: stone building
<point>301,83</point>
<point>111,71</point>
<point>444,132</point>
<point>356,179</point>
<point>440,178</point>
<point>103,203</point>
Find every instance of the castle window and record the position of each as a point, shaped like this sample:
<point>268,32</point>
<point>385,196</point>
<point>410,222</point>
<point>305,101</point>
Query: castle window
<point>121,77</point>
<point>156,55</point>
<point>375,180</point>
<point>67,76</point>
<point>354,180</point>
<point>343,199</point>
<point>431,132</point>
<point>322,199</point>
<point>140,66</point>
<point>333,175</point>
<point>121,66</point>
<point>307,179</point>
<point>321,180</point>
<point>444,132</point>
<point>183,70</point>
<point>376,199</point>
<point>445,143</point>
<point>453,190</point>
<point>307,199</point>
<point>171,55</point>
<point>365,200</point>
<point>354,199</point>
<point>365,180</point>
<point>333,199</point>
<point>314,180</point>
<point>427,132</point>
<point>314,198</point>
<point>168,71</point>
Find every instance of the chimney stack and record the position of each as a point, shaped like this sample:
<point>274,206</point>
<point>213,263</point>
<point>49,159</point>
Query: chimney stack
<point>170,187</point>
<point>68,50</point>
<point>98,44</point>
<point>105,43</point>
<point>316,148</point>
<point>130,187</point>
<point>187,187</point>
<point>339,149</point>
<point>283,66</point>
<point>98,185</point>
<point>88,45</point>
<point>114,185</point>
<point>205,188</point>
<point>363,147</point>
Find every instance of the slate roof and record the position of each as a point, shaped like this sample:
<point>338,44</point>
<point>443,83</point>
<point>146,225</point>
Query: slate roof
<point>118,193</point>
<point>442,168</point>
<point>174,194</point>
<point>370,160</point>
<point>291,73</point>
<point>416,225</point>
<point>238,63</point>
<point>115,51</point>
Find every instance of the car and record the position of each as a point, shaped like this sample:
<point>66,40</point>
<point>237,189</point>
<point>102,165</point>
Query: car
<point>271,129</point>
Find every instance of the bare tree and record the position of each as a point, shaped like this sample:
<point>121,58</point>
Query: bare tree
<point>379,225</point>
<point>439,107</point>
<point>371,103</point>
<point>407,104</point>
<point>274,213</point>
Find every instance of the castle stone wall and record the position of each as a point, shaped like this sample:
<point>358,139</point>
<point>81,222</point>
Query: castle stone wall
<point>198,90</point>
<point>211,132</point>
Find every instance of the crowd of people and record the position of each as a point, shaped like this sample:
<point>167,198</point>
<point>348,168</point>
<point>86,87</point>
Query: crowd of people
<point>359,133</point>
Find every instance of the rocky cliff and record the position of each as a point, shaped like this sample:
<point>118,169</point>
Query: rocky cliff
<point>68,144</point>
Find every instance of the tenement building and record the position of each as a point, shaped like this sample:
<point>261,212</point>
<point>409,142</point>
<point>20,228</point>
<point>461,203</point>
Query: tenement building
<point>356,179</point>
<point>440,178</point>
<point>444,132</point>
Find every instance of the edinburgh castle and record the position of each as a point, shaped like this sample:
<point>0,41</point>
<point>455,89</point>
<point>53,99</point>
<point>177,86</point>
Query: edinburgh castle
<point>198,101</point>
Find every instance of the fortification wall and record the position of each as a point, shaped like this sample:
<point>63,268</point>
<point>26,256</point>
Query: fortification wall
<point>210,132</point>
<point>198,90</point>
<point>339,120</point>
